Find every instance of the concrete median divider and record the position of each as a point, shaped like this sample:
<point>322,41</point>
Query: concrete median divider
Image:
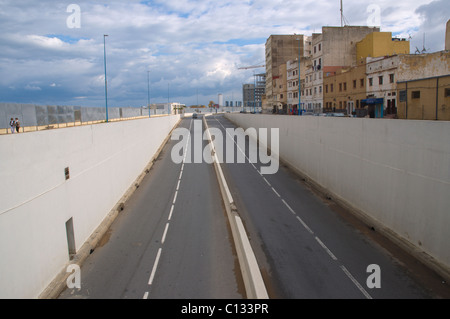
<point>251,274</point>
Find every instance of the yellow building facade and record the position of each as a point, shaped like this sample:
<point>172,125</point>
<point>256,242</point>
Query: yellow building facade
<point>424,99</point>
<point>379,44</point>
<point>345,89</point>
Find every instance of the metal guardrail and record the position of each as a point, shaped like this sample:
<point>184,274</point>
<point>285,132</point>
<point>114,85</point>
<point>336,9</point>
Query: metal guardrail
<point>38,117</point>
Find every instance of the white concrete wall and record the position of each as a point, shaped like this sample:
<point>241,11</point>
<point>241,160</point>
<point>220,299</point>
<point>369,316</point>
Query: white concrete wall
<point>394,171</point>
<point>36,200</point>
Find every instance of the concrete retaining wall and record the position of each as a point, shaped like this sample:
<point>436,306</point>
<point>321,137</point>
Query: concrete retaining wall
<point>36,200</point>
<point>394,172</point>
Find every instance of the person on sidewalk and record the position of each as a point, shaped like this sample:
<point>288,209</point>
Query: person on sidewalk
<point>17,125</point>
<point>12,123</point>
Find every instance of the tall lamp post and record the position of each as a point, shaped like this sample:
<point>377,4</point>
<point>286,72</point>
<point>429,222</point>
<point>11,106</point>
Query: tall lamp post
<point>106,81</point>
<point>148,92</point>
<point>299,83</point>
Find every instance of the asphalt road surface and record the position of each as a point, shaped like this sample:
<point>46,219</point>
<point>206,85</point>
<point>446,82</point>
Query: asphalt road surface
<point>307,247</point>
<point>173,240</point>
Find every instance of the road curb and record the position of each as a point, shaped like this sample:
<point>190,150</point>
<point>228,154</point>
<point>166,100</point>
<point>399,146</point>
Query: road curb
<point>251,274</point>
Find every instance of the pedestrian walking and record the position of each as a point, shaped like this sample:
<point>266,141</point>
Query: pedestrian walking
<point>17,125</point>
<point>12,124</point>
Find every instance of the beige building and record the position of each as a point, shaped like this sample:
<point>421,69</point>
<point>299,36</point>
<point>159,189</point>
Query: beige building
<point>425,99</point>
<point>280,49</point>
<point>292,84</point>
<point>280,90</point>
<point>334,47</point>
<point>447,36</point>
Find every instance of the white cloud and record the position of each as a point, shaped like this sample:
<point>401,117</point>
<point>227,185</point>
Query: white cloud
<point>188,45</point>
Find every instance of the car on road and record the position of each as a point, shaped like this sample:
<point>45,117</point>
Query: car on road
<point>336,114</point>
<point>195,115</point>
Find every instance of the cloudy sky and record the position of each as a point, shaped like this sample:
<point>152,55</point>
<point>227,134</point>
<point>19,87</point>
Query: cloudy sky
<point>51,52</point>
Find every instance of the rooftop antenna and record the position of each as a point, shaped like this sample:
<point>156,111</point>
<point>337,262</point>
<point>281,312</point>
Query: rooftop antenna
<point>343,19</point>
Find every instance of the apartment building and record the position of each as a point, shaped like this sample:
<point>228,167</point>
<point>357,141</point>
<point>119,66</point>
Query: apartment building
<point>333,48</point>
<point>280,91</point>
<point>383,73</point>
<point>292,85</point>
<point>344,90</point>
<point>248,95</point>
<point>279,49</point>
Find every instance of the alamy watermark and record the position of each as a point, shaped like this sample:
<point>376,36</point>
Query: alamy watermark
<point>74,20</point>
<point>74,279</point>
<point>257,146</point>
<point>374,18</point>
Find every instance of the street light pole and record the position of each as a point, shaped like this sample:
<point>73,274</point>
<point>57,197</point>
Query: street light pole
<point>106,81</point>
<point>148,92</point>
<point>299,83</point>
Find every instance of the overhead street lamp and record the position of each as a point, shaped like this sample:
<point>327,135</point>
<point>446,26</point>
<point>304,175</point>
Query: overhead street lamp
<point>299,83</point>
<point>148,92</point>
<point>106,81</point>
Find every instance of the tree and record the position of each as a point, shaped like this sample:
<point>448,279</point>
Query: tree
<point>211,104</point>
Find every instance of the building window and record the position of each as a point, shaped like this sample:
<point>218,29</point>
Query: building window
<point>320,89</point>
<point>340,87</point>
<point>380,80</point>
<point>326,88</point>
<point>361,83</point>
<point>320,46</point>
<point>354,84</point>
<point>345,86</point>
<point>447,92</point>
<point>415,94</point>
<point>370,81</point>
<point>331,88</point>
<point>314,49</point>
<point>391,78</point>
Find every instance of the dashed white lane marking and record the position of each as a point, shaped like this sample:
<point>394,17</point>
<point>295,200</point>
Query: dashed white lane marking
<point>357,284</point>
<point>155,265</point>
<point>164,234</point>
<point>328,251</point>
<point>175,197</point>
<point>305,225</point>
<point>275,191</point>
<point>158,255</point>
<point>326,248</point>
<point>171,211</point>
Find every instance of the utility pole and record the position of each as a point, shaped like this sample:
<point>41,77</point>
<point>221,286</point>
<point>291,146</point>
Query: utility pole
<point>106,81</point>
<point>148,92</point>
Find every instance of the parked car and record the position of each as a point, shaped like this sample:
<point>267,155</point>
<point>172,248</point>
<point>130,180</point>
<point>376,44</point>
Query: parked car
<point>195,115</point>
<point>336,114</point>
